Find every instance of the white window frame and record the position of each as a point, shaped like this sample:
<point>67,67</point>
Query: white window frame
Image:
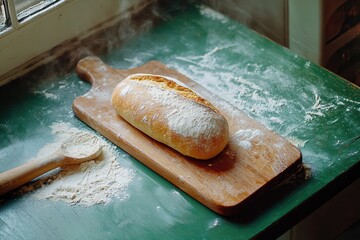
<point>23,42</point>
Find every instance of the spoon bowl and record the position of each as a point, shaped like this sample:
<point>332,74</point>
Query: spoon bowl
<point>80,147</point>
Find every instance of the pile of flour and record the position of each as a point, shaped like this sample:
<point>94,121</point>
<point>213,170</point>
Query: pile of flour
<point>92,182</point>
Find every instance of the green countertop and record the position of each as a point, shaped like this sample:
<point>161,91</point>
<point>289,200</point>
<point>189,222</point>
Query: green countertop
<point>315,109</point>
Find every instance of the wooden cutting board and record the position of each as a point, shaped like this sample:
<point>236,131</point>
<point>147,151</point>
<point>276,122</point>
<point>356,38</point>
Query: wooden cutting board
<point>254,160</point>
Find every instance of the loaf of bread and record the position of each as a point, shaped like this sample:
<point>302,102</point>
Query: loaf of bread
<point>171,113</point>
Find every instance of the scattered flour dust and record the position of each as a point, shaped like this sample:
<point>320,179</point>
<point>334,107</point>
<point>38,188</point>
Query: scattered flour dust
<point>297,142</point>
<point>318,109</point>
<point>47,95</point>
<point>244,137</point>
<point>212,14</point>
<point>92,182</point>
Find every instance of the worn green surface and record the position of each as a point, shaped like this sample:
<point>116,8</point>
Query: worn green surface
<point>313,108</point>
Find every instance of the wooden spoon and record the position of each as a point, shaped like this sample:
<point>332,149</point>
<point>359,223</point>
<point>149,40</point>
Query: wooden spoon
<point>76,149</point>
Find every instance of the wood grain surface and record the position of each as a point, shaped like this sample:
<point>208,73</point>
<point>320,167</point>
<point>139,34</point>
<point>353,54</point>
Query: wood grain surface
<point>250,165</point>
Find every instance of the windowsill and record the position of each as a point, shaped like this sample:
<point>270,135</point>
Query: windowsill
<point>22,46</point>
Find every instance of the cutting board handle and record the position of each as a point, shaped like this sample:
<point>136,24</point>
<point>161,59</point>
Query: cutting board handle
<point>93,70</point>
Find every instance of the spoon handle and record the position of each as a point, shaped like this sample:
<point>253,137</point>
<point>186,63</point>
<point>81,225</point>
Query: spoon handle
<point>22,174</point>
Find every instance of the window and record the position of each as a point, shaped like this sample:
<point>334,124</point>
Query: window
<point>14,11</point>
<point>27,8</point>
<point>3,16</point>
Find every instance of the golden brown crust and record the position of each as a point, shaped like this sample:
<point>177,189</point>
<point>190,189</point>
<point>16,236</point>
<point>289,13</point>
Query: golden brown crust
<point>172,86</point>
<point>172,114</point>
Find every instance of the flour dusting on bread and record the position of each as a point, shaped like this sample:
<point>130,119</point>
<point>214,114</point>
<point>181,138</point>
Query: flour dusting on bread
<point>171,114</point>
<point>172,85</point>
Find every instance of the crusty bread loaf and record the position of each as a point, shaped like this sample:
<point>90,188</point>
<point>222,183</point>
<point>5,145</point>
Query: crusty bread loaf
<point>172,114</point>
